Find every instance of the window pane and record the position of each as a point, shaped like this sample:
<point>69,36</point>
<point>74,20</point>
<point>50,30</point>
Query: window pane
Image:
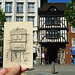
<point>48,20</point>
<point>19,18</point>
<point>73,29</point>
<point>8,18</point>
<point>31,19</point>
<point>56,20</point>
<point>52,34</point>
<point>8,7</point>
<point>73,42</point>
<point>19,7</point>
<point>30,7</point>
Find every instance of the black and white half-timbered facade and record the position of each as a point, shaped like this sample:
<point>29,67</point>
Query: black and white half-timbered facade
<point>53,32</point>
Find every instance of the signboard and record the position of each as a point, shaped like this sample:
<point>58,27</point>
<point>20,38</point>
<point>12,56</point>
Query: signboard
<point>18,44</point>
<point>72,50</point>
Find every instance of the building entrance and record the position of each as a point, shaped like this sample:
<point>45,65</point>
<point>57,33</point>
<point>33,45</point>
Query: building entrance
<point>52,54</point>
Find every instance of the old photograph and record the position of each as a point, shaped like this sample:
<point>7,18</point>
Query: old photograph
<point>18,44</point>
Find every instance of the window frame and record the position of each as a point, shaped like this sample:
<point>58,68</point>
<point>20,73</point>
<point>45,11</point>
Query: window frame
<point>31,7</point>
<point>32,20</point>
<point>19,18</point>
<point>72,42</point>
<point>72,30</point>
<point>52,21</point>
<point>19,6</point>
<point>10,18</point>
<point>52,33</point>
<point>8,7</point>
<point>52,9</point>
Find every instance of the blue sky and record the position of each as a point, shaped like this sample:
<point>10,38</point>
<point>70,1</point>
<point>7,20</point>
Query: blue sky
<point>56,1</point>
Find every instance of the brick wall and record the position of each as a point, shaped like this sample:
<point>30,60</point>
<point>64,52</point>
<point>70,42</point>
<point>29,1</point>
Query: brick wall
<point>68,46</point>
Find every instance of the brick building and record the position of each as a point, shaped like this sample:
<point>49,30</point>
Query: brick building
<point>71,43</point>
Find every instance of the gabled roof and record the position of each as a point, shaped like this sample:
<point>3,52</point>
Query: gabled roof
<point>59,6</point>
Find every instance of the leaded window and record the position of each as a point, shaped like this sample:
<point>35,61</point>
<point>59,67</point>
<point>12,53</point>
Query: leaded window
<point>48,20</point>
<point>52,34</point>
<point>52,20</point>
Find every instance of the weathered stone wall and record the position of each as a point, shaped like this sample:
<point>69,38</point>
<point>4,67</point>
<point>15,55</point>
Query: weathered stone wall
<point>61,56</point>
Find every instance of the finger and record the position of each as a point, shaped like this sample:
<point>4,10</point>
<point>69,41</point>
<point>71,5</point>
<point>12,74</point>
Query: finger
<point>1,74</point>
<point>15,70</point>
<point>3,71</point>
<point>8,69</point>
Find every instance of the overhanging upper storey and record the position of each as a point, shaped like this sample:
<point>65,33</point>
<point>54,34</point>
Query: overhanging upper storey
<point>53,26</point>
<point>51,15</point>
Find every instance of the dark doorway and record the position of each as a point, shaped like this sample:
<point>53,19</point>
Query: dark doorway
<point>52,54</point>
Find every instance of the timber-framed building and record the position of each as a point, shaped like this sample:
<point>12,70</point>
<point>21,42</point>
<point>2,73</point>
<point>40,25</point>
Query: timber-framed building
<point>53,32</point>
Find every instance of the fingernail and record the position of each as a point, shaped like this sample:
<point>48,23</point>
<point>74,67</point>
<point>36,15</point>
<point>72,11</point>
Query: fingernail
<point>17,66</point>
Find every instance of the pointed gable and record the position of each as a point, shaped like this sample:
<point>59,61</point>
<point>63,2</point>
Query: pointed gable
<point>57,6</point>
<point>52,8</point>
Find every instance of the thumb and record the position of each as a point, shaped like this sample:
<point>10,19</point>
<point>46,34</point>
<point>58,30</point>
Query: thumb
<point>15,70</point>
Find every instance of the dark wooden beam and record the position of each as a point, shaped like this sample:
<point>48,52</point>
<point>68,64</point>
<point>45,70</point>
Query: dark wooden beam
<point>57,13</point>
<point>53,42</point>
<point>52,28</point>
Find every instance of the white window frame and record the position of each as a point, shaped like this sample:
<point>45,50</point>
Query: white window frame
<point>20,18</point>
<point>8,6</point>
<point>72,42</point>
<point>19,6</point>
<point>32,18</point>
<point>31,7</point>
<point>9,18</point>
<point>72,29</point>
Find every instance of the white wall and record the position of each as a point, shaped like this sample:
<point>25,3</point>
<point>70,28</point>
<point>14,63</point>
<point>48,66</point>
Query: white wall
<point>25,13</point>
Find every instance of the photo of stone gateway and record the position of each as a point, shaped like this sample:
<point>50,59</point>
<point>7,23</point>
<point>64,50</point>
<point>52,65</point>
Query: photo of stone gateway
<point>18,44</point>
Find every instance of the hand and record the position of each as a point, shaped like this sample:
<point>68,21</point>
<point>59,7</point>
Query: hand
<point>16,70</point>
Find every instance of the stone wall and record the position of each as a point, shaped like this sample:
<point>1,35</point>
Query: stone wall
<point>61,56</point>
